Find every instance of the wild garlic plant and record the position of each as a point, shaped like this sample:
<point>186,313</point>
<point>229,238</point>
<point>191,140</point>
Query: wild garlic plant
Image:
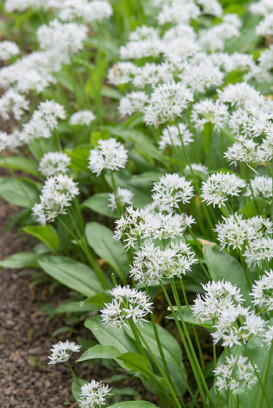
<point>144,131</point>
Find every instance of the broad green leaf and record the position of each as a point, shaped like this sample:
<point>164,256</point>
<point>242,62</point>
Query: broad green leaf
<point>250,210</point>
<point>47,234</point>
<point>221,265</point>
<point>18,191</point>
<point>22,260</point>
<point>99,351</point>
<point>100,204</point>
<point>110,336</point>
<point>72,274</point>
<point>79,157</point>
<point>101,240</point>
<point>73,307</point>
<point>100,299</point>
<point>137,363</point>
<point>133,404</point>
<point>20,163</point>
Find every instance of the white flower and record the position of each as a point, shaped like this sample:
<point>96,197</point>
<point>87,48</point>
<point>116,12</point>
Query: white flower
<point>219,296</point>
<point>239,94</point>
<point>262,291</point>
<point>62,351</point>
<point>219,186</point>
<point>8,49</point>
<point>109,154</point>
<point>207,111</point>
<point>93,394</point>
<point>88,11</point>
<point>259,250</point>
<point>261,187</point>
<point>202,76</point>
<point>171,136</point>
<point>127,303</point>
<point>53,163</point>
<point>142,224</point>
<point>167,102</point>
<point>268,336</point>
<point>244,151</point>
<point>235,374</point>
<point>57,194</point>
<point>124,197</point>
<point>13,102</point>
<point>132,103</point>
<point>170,190</point>
<point>81,118</point>
<point>64,38</point>
<point>151,264</point>
<point>122,73</point>
<point>266,25</point>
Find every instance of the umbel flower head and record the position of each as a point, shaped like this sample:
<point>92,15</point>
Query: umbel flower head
<point>94,394</point>
<point>82,118</point>
<point>127,303</point>
<point>235,373</point>
<point>54,163</point>
<point>109,154</point>
<point>220,186</point>
<point>62,351</point>
<point>170,190</point>
<point>262,291</point>
<point>124,197</point>
<point>57,194</point>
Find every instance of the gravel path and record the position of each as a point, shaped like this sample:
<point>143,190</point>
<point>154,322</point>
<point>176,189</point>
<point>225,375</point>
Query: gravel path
<point>26,381</point>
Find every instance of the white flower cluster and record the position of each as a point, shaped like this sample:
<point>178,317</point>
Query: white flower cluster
<point>82,118</point>
<point>220,186</point>
<point>152,264</point>
<point>146,224</point>
<point>124,197</point>
<point>109,154</point>
<point>172,135</point>
<point>127,304</point>
<point>235,374</point>
<point>57,194</point>
<point>233,323</point>
<point>8,49</point>
<point>13,102</point>
<point>62,351</point>
<point>237,232</point>
<point>44,120</point>
<point>171,190</point>
<point>262,291</point>
<point>53,163</point>
<point>93,394</point>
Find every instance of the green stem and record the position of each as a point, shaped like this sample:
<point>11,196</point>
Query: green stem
<point>73,374</point>
<point>265,378</point>
<point>185,344</point>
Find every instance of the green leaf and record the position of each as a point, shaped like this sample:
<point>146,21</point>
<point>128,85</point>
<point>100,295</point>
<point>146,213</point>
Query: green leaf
<point>76,389</point>
<point>137,363</point>
<point>221,265</point>
<point>110,336</point>
<point>72,274</point>
<point>100,204</point>
<point>18,191</point>
<point>22,260</point>
<point>73,307</point>
<point>100,299</point>
<point>79,157</point>
<point>20,163</point>
<point>101,240</point>
<point>133,404</point>
<point>249,210</point>
<point>47,234</point>
<point>100,351</point>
